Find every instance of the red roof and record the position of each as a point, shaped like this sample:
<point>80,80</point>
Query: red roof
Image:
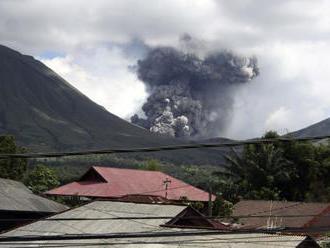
<point>107,182</point>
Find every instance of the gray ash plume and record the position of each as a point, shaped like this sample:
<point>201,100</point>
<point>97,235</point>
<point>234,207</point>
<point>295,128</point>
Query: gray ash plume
<point>189,95</point>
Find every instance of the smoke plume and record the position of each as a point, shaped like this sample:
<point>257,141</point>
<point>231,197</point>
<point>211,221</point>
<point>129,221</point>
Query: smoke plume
<point>190,95</point>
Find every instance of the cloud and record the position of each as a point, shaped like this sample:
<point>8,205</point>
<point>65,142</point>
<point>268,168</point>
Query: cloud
<point>291,92</point>
<point>278,119</point>
<point>92,44</point>
<point>103,74</point>
<point>64,24</point>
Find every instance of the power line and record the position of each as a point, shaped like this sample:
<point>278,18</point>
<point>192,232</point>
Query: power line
<point>183,242</point>
<point>116,216</point>
<point>159,148</point>
<point>167,217</point>
<point>145,193</point>
<point>277,209</point>
<point>151,234</point>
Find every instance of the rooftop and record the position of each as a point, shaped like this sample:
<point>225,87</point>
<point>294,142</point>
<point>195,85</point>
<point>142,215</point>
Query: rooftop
<point>282,214</point>
<point>109,209</point>
<point>15,196</point>
<point>107,182</point>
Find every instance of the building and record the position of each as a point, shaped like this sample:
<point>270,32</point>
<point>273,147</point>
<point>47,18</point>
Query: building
<point>126,224</point>
<point>18,205</point>
<point>115,183</point>
<point>282,214</point>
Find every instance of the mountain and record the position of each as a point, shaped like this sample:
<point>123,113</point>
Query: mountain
<point>46,113</point>
<point>321,128</point>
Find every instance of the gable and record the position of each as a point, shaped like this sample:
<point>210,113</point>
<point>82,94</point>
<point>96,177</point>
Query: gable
<point>191,218</point>
<point>92,175</point>
<point>107,182</point>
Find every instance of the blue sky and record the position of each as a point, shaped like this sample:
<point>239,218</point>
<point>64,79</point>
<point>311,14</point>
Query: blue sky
<point>51,54</point>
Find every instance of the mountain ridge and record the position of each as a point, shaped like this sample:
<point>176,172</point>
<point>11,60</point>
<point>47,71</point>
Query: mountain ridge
<point>321,128</point>
<point>47,114</point>
<point>43,81</point>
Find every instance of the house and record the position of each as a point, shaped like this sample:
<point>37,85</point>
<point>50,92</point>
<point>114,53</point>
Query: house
<point>115,183</point>
<point>139,225</point>
<point>282,214</point>
<point>18,205</point>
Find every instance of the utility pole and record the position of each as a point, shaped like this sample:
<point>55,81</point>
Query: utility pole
<point>166,182</point>
<point>210,204</point>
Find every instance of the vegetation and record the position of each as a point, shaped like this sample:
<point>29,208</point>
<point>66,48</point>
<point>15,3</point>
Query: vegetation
<point>296,171</point>
<point>41,178</point>
<point>326,242</point>
<point>11,168</point>
<point>151,165</point>
<point>222,207</point>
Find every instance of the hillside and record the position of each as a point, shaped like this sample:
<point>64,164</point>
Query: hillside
<point>321,128</point>
<point>46,113</point>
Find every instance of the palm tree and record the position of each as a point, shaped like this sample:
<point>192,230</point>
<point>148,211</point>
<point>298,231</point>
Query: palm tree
<point>260,170</point>
<point>236,166</point>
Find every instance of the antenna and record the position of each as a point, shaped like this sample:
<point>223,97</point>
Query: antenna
<point>270,223</point>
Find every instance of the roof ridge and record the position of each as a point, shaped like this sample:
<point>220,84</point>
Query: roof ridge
<point>7,179</point>
<point>145,203</point>
<point>293,202</point>
<point>136,184</point>
<point>132,169</point>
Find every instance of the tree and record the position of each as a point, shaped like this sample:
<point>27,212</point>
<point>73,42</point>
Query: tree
<point>205,179</point>
<point>261,171</point>
<point>271,134</point>
<point>295,171</point>
<point>222,207</point>
<point>41,179</point>
<point>13,168</point>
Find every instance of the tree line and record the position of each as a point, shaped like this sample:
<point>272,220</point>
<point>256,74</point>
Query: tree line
<point>293,171</point>
<point>38,178</point>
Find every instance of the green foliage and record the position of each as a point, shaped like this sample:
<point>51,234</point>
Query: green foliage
<point>201,177</point>
<point>326,244</point>
<point>69,173</point>
<point>222,207</point>
<point>297,171</point>
<point>151,165</point>
<point>11,168</point>
<point>271,135</point>
<point>41,179</point>
<point>198,205</point>
<point>260,171</point>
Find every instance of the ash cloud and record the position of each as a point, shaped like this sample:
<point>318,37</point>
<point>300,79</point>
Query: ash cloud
<point>191,95</point>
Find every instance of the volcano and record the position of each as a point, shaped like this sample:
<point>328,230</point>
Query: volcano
<point>45,113</point>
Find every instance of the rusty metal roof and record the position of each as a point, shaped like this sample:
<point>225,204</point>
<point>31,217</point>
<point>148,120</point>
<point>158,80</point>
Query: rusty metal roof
<point>107,182</point>
<point>282,214</point>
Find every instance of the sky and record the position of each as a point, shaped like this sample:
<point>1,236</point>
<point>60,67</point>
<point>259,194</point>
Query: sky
<point>95,44</point>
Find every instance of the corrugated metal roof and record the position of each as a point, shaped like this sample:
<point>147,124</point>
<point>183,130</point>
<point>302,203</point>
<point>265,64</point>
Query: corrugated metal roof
<point>122,182</point>
<point>216,241</point>
<point>15,196</point>
<point>281,208</point>
<point>106,209</point>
